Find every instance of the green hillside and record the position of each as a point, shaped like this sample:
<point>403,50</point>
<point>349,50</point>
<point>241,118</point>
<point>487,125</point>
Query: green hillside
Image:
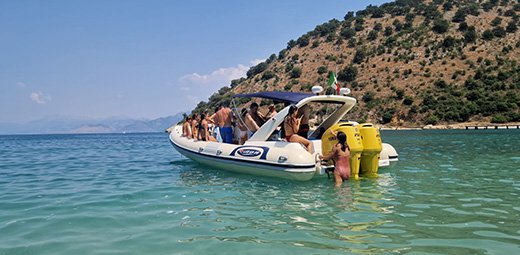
<point>408,63</point>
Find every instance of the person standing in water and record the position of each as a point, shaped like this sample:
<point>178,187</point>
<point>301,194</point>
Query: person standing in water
<point>341,155</point>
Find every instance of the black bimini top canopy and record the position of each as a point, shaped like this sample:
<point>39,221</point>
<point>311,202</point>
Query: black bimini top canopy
<point>285,97</point>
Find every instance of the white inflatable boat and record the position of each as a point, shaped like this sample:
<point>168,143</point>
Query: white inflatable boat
<point>267,156</point>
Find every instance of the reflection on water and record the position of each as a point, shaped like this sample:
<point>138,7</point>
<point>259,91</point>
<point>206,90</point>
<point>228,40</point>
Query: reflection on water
<point>311,214</point>
<point>438,199</point>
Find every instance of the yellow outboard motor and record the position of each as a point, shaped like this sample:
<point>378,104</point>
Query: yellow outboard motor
<point>354,141</point>
<point>372,147</point>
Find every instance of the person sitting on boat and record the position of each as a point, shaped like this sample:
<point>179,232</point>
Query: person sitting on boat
<point>215,131</point>
<point>250,123</point>
<point>271,111</point>
<point>341,155</point>
<point>211,123</point>
<point>195,126</point>
<point>204,130</point>
<point>291,127</point>
<point>257,116</point>
<point>304,111</point>
<point>223,119</point>
<point>242,128</point>
<point>186,127</point>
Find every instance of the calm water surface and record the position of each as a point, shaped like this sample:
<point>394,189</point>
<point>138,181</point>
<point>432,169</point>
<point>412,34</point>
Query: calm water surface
<point>452,192</point>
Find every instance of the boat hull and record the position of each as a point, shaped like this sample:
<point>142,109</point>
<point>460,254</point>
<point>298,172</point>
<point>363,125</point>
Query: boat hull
<point>233,158</point>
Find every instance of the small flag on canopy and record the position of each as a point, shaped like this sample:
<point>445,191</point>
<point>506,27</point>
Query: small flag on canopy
<point>333,82</point>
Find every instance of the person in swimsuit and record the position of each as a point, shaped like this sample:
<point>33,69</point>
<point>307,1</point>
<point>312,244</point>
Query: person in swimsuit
<point>242,128</point>
<point>341,155</point>
<point>257,116</point>
<point>195,126</point>
<point>291,127</point>
<point>186,127</point>
<point>272,112</point>
<point>304,111</point>
<point>204,130</point>
<point>223,119</point>
<point>250,123</point>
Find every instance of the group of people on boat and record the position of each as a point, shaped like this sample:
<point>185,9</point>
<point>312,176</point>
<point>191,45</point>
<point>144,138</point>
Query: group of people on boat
<point>224,126</point>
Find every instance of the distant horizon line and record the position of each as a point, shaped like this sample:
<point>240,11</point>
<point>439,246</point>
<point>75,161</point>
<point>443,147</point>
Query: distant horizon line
<point>87,118</point>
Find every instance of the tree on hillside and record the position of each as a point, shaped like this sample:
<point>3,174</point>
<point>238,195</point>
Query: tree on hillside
<point>372,35</point>
<point>496,21</point>
<point>460,16</point>
<point>359,24</point>
<point>511,27</point>
<point>349,16</point>
<point>499,32</point>
<point>449,42</point>
<point>429,11</point>
<point>359,56</point>
<point>291,44</point>
<point>440,26</point>
<point>447,6</point>
<point>348,74</point>
<point>470,35</point>
<point>463,26</point>
<point>388,31</point>
<point>256,69</point>
<point>487,35</point>
<point>326,28</point>
<point>347,33</point>
<point>377,13</point>
<point>296,72</point>
<point>398,25</point>
<point>303,41</point>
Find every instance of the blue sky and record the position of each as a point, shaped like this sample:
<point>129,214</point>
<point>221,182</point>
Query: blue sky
<point>139,59</point>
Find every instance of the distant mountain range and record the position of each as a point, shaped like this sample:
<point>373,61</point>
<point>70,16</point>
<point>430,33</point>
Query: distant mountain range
<point>67,125</point>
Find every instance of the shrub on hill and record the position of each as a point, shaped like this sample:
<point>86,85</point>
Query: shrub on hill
<point>488,35</point>
<point>511,27</point>
<point>348,74</point>
<point>326,29</point>
<point>347,33</point>
<point>470,35</point>
<point>256,69</point>
<point>359,56</point>
<point>296,72</point>
<point>440,26</point>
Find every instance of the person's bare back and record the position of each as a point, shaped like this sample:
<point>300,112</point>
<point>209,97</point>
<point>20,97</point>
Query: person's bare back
<point>223,117</point>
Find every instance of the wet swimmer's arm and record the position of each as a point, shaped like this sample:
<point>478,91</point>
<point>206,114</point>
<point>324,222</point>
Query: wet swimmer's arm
<point>331,154</point>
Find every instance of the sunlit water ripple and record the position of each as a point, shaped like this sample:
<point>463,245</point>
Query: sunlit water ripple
<point>452,192</point>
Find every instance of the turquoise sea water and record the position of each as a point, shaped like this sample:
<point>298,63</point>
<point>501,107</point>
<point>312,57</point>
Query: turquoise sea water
<point>452,192</point>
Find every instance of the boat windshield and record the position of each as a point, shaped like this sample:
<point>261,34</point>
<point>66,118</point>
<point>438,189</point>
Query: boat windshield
<point>316,115</point>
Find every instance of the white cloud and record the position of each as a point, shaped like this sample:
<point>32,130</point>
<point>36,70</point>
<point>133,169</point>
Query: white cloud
<point>40,98</point>
<point>219,77</point>
<point>21,84</point>
<point>193,99</point>
<point>255,62</point>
